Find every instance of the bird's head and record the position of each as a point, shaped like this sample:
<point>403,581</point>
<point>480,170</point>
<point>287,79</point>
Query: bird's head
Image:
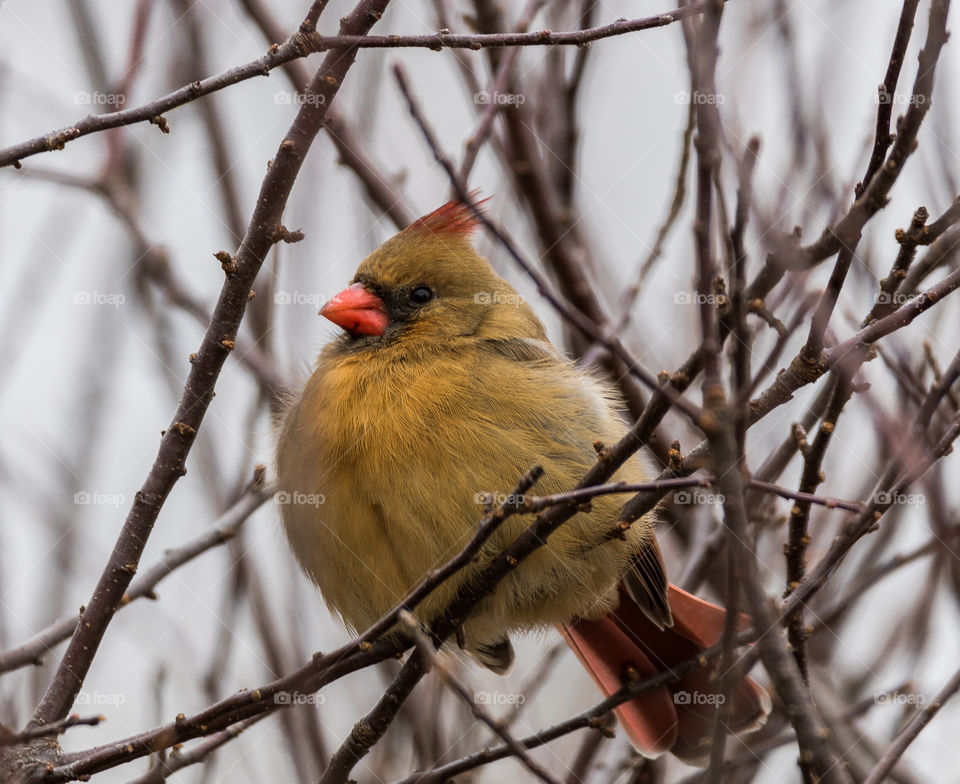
<point>428,281</point>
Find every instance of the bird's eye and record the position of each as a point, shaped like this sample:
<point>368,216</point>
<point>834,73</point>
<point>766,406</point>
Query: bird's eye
<point>421,295</point>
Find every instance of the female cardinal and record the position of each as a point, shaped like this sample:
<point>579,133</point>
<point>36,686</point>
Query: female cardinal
<point>444,386</point>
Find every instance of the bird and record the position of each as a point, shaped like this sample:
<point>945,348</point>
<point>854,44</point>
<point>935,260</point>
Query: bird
<point>442,387</point>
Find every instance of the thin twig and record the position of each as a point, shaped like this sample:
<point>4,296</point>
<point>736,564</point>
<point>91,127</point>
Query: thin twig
<point>301,44</point>
<point>370,728</point>
<point>198,754</point>
<point>484,127</point>
<point>920,720</point>
<point>807,498</point>
<point>568,311</point>
<point>467,696</point>
<point>324,669</point>
<point>885,92</point>
<point>264,231</point>
<point>54,729</point>
<point>381,188</point>
<point>222,530</point>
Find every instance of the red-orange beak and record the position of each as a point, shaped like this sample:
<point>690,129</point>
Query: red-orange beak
<point>357,311</point>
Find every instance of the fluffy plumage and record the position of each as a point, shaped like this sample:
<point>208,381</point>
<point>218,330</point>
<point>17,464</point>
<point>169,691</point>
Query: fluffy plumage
<point>445,387</point>
<point>460,398</point>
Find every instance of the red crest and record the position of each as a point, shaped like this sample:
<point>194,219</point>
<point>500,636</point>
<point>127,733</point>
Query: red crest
<point>455,218</point>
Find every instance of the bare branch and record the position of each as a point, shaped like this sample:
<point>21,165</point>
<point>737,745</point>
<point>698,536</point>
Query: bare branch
<point>224,528</point>
<point>9,738</point>
<point>920,720</point>
<point>217,344</point>
<point>466,695</point>
<point>301,44</point>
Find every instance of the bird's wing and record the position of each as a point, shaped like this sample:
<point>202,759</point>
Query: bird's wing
<point>646,582</point>
<point>522,349</point>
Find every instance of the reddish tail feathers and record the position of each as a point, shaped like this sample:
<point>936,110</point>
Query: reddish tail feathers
<point>679,717</point>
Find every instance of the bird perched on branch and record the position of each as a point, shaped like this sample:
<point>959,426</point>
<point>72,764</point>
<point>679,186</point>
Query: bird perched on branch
<point>443,387</point>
